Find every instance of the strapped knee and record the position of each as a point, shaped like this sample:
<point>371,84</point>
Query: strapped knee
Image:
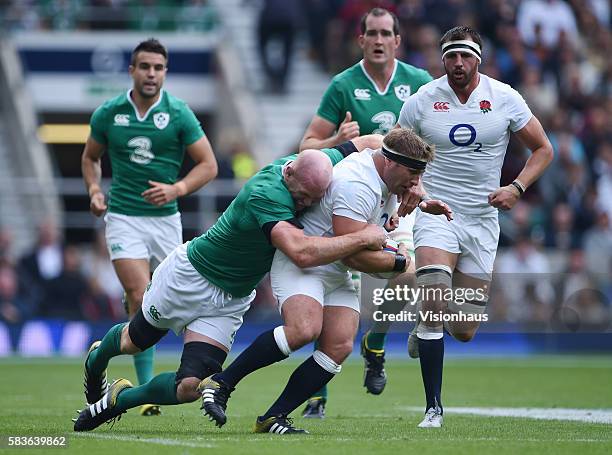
<point>142,333</point>
<point>200,360</point>
<point>434,275</point>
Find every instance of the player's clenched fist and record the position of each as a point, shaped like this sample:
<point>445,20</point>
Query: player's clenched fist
<point>504,198</point>
<point>97,205</point>
<point>348,129</point>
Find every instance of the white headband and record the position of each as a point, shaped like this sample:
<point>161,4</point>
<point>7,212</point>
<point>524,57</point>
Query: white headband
<point>462,46</point>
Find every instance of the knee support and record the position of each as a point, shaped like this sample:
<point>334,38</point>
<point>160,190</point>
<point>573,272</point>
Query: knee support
<point>142,333</point>
<point>200,360</point>
<point>434,275</point>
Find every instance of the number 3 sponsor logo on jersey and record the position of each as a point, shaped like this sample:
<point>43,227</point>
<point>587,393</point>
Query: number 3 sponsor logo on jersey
<point>385,121</point>
<point>142,153</point>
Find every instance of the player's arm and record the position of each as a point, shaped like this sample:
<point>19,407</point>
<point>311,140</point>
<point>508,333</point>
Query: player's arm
<point>307,251</point>
<point>321,133</point>
<point>204,171</point>
<point>533,137</point>
<point>92,173</point>
<point>365,260</point>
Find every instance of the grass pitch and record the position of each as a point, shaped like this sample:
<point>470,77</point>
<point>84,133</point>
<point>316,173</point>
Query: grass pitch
<point>39,397</point>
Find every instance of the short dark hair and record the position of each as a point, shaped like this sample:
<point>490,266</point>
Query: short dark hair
<point>461,32</point>
<point>151,45</point>
<point>378,12</point>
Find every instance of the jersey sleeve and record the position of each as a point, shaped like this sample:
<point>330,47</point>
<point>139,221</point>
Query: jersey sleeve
<point>266,210</point>
<point>334,154</point>
<point>98,124</point>
<point>409,116</point>
<point>331,108</point>
<point>192,130</point>
<point>519,113</point>
<point>354,200</point>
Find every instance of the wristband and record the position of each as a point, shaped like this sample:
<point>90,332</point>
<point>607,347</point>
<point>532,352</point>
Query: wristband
<point>519,187</point>
<point>400,263</point>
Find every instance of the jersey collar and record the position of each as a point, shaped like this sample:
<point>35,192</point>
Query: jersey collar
<point>470,99</point>
<point>144,117</point>
<point>384,92</point>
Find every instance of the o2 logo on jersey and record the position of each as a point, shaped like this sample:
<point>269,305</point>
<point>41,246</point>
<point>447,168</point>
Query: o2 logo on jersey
<point>464,135</point>
<point>385,120</point>
<point>142,153</point>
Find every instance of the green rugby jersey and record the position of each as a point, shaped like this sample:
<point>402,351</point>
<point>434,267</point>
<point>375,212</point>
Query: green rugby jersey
<point>236,253</point>
<point>143,149</point>
<point>376,112</point>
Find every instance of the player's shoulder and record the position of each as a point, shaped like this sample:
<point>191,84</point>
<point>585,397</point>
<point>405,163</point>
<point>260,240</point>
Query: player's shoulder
<point>408,70</point>
<point>348,75</point>
<point>499,90</point>
<point>175,103</point>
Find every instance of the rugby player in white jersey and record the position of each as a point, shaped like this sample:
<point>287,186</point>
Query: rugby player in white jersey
<point>468,117</point>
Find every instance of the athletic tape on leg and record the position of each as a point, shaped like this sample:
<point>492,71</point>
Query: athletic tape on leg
<point>326,363</point>
<point>281,340</point>
<point>435,274</point>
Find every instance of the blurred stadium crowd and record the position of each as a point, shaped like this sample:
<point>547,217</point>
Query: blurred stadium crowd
<point>555,53</point>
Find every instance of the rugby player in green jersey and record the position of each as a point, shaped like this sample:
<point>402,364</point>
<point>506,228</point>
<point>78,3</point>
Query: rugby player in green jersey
<point>146,132</point>
<point>204,287</point>
<point>363,99</point>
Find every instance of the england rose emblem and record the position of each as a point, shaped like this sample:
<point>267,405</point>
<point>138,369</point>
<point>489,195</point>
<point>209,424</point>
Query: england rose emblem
<point>485,106</point>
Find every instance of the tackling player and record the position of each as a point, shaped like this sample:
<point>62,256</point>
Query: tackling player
<point>204,287</point>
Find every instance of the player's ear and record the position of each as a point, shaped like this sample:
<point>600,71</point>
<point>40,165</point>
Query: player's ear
<point>361,41</point>
<point>398,40</point>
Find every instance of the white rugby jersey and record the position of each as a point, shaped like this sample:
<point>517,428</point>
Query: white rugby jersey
<point>470,139</point>
<point>357,192</point>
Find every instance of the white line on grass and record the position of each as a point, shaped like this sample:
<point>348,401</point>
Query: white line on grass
<point>158,441</point>
<point>577,415</point>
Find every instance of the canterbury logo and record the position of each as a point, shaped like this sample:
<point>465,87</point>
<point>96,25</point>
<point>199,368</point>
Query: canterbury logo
<point>154,313</point>
<point>362,93</point>
<point>440,106</point>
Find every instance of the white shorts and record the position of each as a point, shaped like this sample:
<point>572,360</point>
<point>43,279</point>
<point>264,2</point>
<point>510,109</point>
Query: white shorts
<point>142,237</point>
<point>403,233</point>
<point>179,298</point>
<point>474,239</point>
<point>326,284</point>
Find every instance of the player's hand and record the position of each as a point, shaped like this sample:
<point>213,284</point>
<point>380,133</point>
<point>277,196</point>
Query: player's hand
<point>392,223</point>
<point>347,130</point>
<point>375,237</point>
<point>97,205</point>
<point>504,198</point>
<point>436,207</point>
<point>410,200</point>
<point>160,193</point>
